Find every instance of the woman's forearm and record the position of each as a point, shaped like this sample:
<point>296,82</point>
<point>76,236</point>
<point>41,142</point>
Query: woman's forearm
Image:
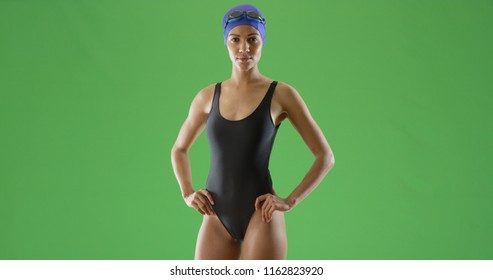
<point>313,177</point>
<point>182,169</point>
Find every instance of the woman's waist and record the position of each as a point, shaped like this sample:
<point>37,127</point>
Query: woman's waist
<point>231,181</point>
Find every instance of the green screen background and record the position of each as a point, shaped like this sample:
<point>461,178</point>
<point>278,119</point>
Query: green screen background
<point>93,94</point>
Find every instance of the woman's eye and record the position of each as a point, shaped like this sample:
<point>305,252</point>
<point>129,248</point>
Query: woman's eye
<point>236,39</point>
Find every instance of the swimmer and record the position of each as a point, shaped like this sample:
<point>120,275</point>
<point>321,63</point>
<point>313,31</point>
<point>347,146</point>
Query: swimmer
<point>243,217</point>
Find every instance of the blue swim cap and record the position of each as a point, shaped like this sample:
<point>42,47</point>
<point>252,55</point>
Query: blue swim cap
<point>260,26</point>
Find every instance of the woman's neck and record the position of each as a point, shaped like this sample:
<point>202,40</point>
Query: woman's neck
<point>241,78</point>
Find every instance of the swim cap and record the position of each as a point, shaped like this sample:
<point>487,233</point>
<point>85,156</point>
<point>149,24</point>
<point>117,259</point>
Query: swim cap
<point>260,26</point>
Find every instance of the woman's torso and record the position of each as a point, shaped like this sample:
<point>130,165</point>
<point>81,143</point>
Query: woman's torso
<point>240,137</point>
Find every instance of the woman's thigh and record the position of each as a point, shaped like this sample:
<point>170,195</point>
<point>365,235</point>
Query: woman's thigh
<point>214,242</point>
<point>265,241</point>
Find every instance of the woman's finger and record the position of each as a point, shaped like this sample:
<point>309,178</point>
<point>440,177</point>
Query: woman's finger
<point>209,196</point>
<point>259,200</point>
<point>266,204</point>
<point>196,206</point>
<point>205,199</point>
<point>268,211</point>
<point>204,204</point>
<point>271,211</point>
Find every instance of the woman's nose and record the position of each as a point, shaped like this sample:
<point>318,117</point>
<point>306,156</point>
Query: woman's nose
<point>244,47</point>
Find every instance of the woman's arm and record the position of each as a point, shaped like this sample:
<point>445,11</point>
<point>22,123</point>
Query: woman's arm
<point>300,117</point>
<point>190,130</point>
<point>313,137</point>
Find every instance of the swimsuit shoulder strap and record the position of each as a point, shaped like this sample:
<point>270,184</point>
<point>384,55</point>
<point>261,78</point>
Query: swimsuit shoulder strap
<point>270,93</point>
<point>216,96</point>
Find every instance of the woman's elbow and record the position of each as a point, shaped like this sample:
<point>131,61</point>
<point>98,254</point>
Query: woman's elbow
<point>176,150</point>
<point>328,159</point>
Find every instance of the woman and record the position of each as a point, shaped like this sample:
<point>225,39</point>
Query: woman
<point>243,216</point>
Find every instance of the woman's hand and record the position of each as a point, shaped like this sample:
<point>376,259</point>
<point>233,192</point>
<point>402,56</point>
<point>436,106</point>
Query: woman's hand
<point>201,200</point>
<point>271,203</point>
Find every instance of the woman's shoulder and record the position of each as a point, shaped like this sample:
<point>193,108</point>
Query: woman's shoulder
<point>284,86</point>
<point>203,98</point>
<point>285,91</point>
<point>206,92</point>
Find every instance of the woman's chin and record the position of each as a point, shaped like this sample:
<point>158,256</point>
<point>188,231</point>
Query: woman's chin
<point>244,64</point>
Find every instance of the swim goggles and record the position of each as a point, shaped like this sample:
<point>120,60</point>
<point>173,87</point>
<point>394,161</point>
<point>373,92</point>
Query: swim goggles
<point>251,15</point>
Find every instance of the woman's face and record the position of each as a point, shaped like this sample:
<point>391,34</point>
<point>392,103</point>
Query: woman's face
<point>244,41</point>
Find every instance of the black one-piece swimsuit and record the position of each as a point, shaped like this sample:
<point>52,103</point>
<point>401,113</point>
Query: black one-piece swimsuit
<point>239,163</point>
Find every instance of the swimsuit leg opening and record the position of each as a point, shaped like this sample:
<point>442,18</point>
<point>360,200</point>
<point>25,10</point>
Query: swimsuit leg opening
<point>227,229</point>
